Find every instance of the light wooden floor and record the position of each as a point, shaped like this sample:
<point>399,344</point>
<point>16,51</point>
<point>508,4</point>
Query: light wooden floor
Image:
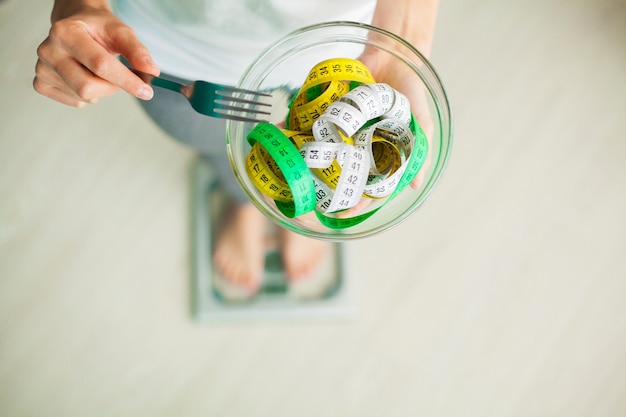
<point>508,298</point>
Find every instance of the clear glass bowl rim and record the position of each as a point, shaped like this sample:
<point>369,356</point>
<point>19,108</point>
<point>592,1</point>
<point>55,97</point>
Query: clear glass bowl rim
<point>440,100</point>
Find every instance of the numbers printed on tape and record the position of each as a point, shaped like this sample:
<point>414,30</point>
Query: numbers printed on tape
<point>345,117</point>
<point>325,131</point>
<point>306,113</point>
<point>352,180</point>
<point>295,171</point>
<point>366,99</point>
<point>328,174</point>
<point>401,109</point>
<point>261,174</point>
<point>338,69</point>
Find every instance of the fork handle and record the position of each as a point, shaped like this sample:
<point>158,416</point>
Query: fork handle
<point>158,81</point>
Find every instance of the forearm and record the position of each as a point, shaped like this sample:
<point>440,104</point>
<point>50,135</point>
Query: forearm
<point>413,20</point>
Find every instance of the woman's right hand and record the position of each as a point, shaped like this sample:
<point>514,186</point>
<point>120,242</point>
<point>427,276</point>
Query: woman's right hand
<point>77,63</point>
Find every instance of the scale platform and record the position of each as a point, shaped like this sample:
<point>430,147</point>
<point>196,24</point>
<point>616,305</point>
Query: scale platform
<point>277,299</point>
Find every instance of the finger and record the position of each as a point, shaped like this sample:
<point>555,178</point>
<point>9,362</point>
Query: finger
<point>59,68</point>
<point>353,211</point>
<point>48,83</point>
<point>418,180</point>
<point>124,42</point>
<point>86,85</point>
<point>56,94</point>
<point>101,63</point>
<point>76,81</point>
<point>44,74</point>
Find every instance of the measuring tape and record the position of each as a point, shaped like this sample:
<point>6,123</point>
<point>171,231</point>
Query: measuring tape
<point>348,138</point>
<point>324,84</point>
<point>294,170</point>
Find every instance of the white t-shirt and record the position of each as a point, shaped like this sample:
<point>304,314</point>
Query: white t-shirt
<point>216,40</point>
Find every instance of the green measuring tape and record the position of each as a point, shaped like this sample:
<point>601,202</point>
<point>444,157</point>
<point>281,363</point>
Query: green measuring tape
<point>290,163</point>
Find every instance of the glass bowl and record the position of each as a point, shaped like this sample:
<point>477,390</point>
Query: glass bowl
<point>282,68</point>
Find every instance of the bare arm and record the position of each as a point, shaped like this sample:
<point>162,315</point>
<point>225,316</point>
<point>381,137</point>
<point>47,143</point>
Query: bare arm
<point>77,63</point>
<point>413,20</point>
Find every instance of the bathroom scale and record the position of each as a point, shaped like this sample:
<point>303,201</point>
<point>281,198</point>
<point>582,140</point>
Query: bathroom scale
<point>329,296</point>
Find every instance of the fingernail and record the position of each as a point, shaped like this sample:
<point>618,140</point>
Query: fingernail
<point>145,93</point>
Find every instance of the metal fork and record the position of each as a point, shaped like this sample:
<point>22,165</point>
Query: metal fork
<point>216,100</point>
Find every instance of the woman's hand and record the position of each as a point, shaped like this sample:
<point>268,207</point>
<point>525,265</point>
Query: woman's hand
<point>77,63</point>
<point>403,79</point>
<point>414,21</point>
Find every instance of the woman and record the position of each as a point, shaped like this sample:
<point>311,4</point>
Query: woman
<point>211,40</point>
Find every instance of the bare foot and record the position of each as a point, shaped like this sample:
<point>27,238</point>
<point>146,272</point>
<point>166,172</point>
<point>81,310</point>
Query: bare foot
<point>302,256</point>
<point>239,251</point>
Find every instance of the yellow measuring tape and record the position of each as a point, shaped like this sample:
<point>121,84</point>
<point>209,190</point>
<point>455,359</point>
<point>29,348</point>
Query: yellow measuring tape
<point>325,84</point>
<point>347,138</point>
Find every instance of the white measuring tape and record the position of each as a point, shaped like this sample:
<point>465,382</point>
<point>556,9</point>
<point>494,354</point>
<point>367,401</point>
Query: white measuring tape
<point>345,119</point>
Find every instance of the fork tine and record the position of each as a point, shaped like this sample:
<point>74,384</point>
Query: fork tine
<point>227,102</point>
<point>231,89</point>
<point>238,118</point>
<point>227,107</point>
<point>227,98</point>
